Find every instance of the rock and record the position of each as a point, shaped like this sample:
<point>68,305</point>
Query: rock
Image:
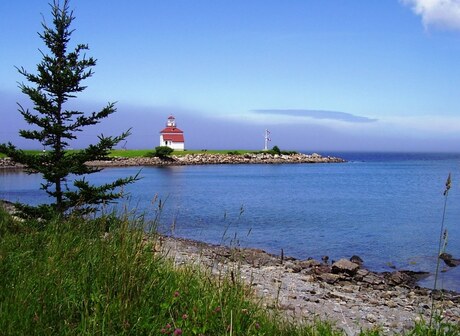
<point>373,279</point>
<point>357,260</point>
<point>305,264</point>
<point>361,274</point>
<point>329,278</point>
<point>198,159</point>
<point>350,288</point>
<point>345,266</point>
<point>207,158</point>
<point>322,269</point>
<point>371,318</point>
<point>398,278</point>
<point>391,304</point>
<point>7,162</point>
<point>403,277</point>
<point>294,268</point>
<point>8,206</point>
<point>369,299</point>
<point>449,260</point>
<point>341,296</point>
<point>374,301</point>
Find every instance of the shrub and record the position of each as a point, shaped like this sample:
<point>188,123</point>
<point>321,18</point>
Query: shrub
<point>163,151</point>
<point>276,150</point>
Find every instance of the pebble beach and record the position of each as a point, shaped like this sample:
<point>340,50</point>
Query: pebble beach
<point>304,290</point>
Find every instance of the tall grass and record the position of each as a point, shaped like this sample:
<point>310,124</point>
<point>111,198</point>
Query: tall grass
<point>103,276</point>
<point>441,247</point>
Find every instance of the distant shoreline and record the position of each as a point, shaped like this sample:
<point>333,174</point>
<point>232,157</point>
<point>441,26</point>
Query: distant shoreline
<point>200,159</point>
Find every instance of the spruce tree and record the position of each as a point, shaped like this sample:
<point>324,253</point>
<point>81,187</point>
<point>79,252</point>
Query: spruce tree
<point>58,79</point>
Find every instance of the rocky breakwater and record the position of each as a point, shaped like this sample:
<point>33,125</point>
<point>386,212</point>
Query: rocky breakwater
<point>200,159</point>
<point>207,158</point>
<point>255,158</point>
<point>343,291</point>
<point>7,163</point>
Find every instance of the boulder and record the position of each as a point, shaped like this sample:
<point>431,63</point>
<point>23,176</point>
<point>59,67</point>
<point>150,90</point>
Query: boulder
<point>357,260</point>
<point>305,264</point>
<point>449,260</point>
<point>329,278</point>
<point>373,279</point>
<point>398,278</point>
<point>322,269</point>
<point>345,266</point>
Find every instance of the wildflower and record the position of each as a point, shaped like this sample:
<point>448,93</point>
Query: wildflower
<point>185,316</point>
<point>218,309</point>
<point>177,332</point>
<point>176,294</point>
<point>257,326</point>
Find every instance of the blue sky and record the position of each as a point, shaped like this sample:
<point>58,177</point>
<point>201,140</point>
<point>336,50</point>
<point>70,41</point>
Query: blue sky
<point>321,75</point>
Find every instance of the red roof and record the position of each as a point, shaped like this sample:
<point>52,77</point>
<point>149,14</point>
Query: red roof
<point>173,130</point>
<point>173,137</point>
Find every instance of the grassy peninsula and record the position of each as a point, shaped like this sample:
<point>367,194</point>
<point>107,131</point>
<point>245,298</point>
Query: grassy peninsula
<point>133,153</point>
<point>145,152</point>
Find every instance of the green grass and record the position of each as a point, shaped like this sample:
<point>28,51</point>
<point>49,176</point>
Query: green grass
<point>102,277</point>
<point>70,278</point>
<point>29,151</point>
<point>130,152</point>
<point>143,152</point>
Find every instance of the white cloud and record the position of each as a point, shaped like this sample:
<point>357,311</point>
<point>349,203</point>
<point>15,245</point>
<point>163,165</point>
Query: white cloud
<point>438,13</point>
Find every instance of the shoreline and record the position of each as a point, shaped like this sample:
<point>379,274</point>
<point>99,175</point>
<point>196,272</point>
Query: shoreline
<point>344,292</point>
<point>200,159</point>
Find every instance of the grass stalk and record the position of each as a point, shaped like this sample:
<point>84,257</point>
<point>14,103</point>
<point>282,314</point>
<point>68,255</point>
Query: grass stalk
<point>441,245</point>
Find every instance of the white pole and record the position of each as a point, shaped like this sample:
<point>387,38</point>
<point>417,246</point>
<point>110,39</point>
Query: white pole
<point>267,139</point>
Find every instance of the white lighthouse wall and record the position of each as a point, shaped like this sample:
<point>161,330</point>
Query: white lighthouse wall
<point>177,145</point>
<point>171,144</point>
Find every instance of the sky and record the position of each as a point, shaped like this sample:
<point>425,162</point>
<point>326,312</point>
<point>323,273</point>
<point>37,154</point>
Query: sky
<point>321,75</point>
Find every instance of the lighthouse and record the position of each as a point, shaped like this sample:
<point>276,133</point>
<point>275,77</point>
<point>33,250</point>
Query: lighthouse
<point>172,136</point>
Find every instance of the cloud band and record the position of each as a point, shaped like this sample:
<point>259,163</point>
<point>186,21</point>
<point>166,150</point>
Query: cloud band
<point>317,114</point>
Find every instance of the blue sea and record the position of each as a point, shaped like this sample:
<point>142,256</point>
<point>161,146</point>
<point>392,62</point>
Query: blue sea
<point>385,207</point>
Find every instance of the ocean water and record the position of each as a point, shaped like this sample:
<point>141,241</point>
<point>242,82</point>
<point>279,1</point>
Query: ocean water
<point>385,207</point>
